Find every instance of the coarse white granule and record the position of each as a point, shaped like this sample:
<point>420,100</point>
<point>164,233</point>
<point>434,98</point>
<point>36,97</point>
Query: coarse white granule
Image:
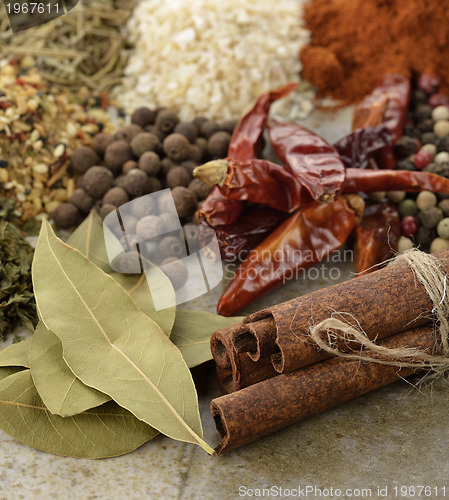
<point>210,57</point>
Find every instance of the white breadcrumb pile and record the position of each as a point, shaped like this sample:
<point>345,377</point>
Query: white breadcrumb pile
<point>211,57</point>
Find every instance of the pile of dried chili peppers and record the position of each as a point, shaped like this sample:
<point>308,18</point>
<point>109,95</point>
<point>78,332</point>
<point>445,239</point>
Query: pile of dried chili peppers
<point>282,218</point>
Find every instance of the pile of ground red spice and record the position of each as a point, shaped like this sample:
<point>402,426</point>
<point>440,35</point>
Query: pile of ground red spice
<point>355,42</point>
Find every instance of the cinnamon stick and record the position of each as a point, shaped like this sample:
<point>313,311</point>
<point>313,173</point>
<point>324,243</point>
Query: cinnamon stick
<point>266,407</point>
<point>385,302</point>
<point>236,370</point>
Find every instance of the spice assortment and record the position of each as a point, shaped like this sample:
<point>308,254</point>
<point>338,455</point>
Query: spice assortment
<point>93,381</point>
<point>39,128</point>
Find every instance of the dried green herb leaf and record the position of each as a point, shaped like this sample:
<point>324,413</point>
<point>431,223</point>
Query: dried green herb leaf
<point>110,345</point>
<point>106,431</point>
<point>16,354</point>
<point>6,371</point>
<point>88,238</point>
<point>192,331</point>
<point>62,393</point>
<point>17,305</point>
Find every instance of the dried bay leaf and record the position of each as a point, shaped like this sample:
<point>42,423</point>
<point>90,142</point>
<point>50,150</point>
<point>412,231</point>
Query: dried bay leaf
<point>62,393</point>
<point>110,345</point>
<point>192,331</point>
<point>106,431</point>
<point>88,238</point>
<point>6,371</point>
<point>16,354</point>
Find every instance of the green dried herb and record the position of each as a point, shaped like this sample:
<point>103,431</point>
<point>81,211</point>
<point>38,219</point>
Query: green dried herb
<point>110,345</point>
<point>17,304</point>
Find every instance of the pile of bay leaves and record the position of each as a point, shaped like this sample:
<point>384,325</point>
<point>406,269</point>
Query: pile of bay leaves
<point>104,371</point>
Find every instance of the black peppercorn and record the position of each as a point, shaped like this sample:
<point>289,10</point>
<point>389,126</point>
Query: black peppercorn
<point>176,147</point>
<point>117,154</point>
<point>83,158</point>
<point>66,216</point>
<point>166,121</point>
<point>428,138</point>
<point>97,180</point>
<point>145,142</point>
<point>422,112</point>
<point>82,201</point>
<point>406,164</point>
<point>137,183</point>
<point>405,147</point>
<point>143,116</point>
<point>178,176</point>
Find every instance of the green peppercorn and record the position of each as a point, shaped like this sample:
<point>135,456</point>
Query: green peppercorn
<point>443,228</point>
<point>408,207</point>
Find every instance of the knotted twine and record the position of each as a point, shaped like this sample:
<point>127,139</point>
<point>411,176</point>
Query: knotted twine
<point>431,274</point>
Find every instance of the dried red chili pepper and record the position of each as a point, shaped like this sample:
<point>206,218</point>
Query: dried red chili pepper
<point>246,143</point>
<point>376,236</point>
<point>397,88</point>
<point>237,239</point>
<point>304,239</point>
<point>393,180</point>
<point>313,161</point>
<point>357,148</point>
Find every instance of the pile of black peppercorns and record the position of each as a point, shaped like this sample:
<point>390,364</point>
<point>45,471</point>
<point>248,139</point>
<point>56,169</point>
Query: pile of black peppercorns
<point>156,151</point>
<point>424,146</point>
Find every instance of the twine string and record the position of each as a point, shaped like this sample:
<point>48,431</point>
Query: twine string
<point>430,272</point>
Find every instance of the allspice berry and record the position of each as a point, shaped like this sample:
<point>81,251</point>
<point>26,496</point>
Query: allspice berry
<point>97,181</point>
<point>185,201</point>
<point>178,176</point>
<point>145,142</point>
<point>155,184</point>
<point>228,126</point>
<point>200,188</point>
<point>105,210</point>
<point>209,128</point>
<point>176,271</point>
<point>128,133</point>
<point>150,163</point>
<point>143,116</point>
<point>101,141</point>
<point>166,121</point>
<point>66,216</point>
<point>218,144</point>
<point>171,246</point>
<point>140,207</point>
<point>83,158</point>
<point>188,129</point>
<point>176,147</point>
<point>129,165</point>
<point>117,154</point>
<point>82,201</point>
<point>116,196</point>
<point>166,165</point>
<point>129,263</point>
<point>195,154</point>
<point>137,183</point>
<point>149,227</point>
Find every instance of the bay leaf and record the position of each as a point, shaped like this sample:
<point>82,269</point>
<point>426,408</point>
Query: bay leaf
<point>62,393</point>
<point>106,431</point>
<point>88,238</point>
<point>16,354</point>
<point>110,345</point>
<point>6,371</point>
<point>192,331</point>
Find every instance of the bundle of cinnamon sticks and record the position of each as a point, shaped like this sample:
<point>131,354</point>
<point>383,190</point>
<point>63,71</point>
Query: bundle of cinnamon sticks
<point>273,374</point>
